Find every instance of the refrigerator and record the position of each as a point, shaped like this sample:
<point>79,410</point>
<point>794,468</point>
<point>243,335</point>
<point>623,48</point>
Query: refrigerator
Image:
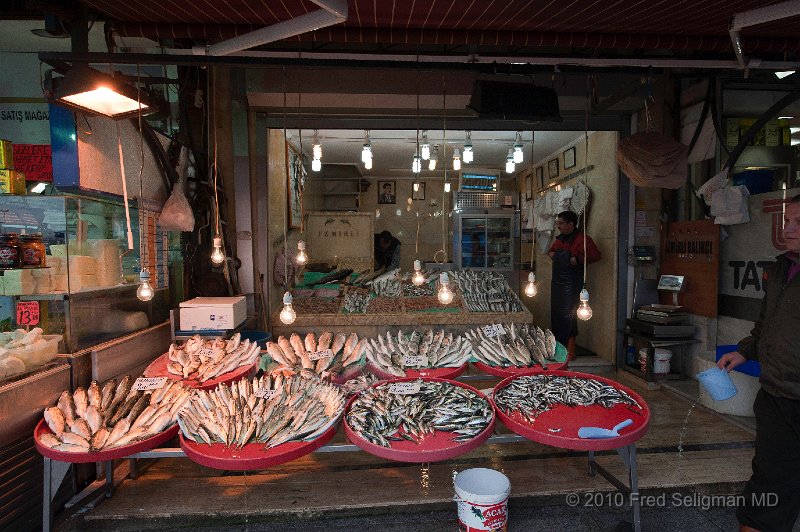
<point>487,239</point>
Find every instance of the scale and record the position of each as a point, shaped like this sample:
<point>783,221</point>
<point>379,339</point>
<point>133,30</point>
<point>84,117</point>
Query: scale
<point>665,314</point>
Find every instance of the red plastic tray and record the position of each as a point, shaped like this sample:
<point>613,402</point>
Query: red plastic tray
<point>158,368</point>
<point>569,419</point>
<point>99,456</point>
<point>433,448</point>
<point>516,371</point>
<point>426,373</point>
<point>253,455</point>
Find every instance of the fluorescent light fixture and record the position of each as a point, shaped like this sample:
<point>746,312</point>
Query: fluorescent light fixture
<point>510,166</point>
<point>89,91</point>
<point>518,157</point>
<point>794,130</point>
<point>784,73</point>
<point>434,158</point>
<point>795,142</point>
<point>785,117</point>
<point>416,164</point>
<point>468,151</point>
<point>425,147</point>
<point>456,160</point>
<point>316,165</point>
<point>39,188</point>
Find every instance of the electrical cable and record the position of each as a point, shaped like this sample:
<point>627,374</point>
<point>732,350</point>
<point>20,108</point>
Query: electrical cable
<point>285,203</point>
<point>443,251</point>
<point>586,173</point>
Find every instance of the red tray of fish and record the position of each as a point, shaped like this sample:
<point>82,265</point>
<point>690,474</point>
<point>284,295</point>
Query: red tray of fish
<point>253,455</point>
<point>158,368</point>
<point>104,455</point>
<point>558,427</point>
<point>433,447</point>
<point>515,371</point>
<point>432,373</point>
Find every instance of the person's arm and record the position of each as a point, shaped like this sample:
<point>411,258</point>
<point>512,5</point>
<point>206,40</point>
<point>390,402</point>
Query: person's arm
<point>748,347</point>
<point>592,253</point>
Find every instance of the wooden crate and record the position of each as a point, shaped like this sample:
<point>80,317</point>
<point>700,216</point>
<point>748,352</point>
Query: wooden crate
<point>343,238</point>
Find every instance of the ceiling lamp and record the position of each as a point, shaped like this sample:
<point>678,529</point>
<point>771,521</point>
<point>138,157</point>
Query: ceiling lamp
<point>584,310</point>
<point>425,147</point>
<point>301,257</point>
<point>434,158</point>
<point>456,160</point>
<point>416,163</point>
<point>530,288</point>
<point>418,279</point>
<point>287,315</point>
<point>445,294</point>
<point>316,146</point>
<point>510,166</point>
<point>89,91</point>
<point>518,149</point>
<point>468,148</point>
<point>145,290</point>
<point>366,151</point>
<point>316,165</point>
<point>217,255</point>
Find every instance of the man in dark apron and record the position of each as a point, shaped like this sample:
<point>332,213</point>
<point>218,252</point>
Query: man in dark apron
<point>567,280</point>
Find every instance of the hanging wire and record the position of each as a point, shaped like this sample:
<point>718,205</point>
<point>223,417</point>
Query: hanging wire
<point>300,129</point>
<point>213,116</point>
<point>533,244</point>
<point>585,173</point>
<point>416,159</point>
<point>443,251</point>
<point>285,203</point>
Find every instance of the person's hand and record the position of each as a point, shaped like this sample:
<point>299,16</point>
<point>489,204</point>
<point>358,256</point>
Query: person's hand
<point>573,261</point>
<point>552,254</point>
<point>728,361</point>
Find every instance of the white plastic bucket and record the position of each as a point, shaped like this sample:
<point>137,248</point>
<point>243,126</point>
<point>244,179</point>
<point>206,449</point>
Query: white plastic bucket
<point>482,499</point>
<point>661,360</point>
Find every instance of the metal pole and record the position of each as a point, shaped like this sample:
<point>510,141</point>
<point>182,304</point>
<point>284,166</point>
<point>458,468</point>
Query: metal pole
<point>47,516</point>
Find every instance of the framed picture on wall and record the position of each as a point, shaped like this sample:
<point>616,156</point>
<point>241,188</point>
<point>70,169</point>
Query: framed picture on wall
<point>540,177</point>
<point>528,187</point>
<point>418,190</point>
<point>552,168</point>
<point>569,158</point>
<point>296,183</point>
<point>387,192</point>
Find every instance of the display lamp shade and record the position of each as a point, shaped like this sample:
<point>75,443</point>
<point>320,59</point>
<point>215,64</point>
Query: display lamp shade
<point>416,164</point>
<point>86,90</point>
<point>445,294</point>
<point>518,149</point>
<point>510,166</point>
<point>456,160</point>
<point>301,257</point>
<point>468,150</point>
<point>418,279</point>
<point>530,287</point>
<point>434,158</point>
<point>584,310</point>
<point>145,290</point>
<point>217,254</point>
<point>287,315</point>
<point>316,165</point>
<point>425,147</point>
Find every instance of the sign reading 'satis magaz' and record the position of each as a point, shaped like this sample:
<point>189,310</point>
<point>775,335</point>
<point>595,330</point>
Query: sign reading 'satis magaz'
<point>750,247</point>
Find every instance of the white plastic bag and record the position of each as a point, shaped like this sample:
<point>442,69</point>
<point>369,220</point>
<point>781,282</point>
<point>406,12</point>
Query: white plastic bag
<point>729,205</point>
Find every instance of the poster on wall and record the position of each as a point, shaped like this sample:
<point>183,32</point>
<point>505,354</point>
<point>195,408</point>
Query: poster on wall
<point>749,248</point>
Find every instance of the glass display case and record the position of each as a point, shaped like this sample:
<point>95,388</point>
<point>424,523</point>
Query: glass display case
<point>84,286</point>
<point>486,240</point>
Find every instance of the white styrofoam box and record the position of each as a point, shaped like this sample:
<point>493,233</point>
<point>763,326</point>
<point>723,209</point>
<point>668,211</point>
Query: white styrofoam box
<point>740,404</point>
<point>215,313</point>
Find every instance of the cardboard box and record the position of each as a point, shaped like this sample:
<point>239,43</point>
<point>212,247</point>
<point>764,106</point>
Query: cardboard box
<point>216,313</point>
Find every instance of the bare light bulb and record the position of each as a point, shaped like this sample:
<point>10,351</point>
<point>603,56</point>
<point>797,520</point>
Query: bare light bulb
<point>434,158</point>
<point>416,186</point>
<point>584,310</point>
<point>445,295</point>
<point>366,153</point>
<point>287,315</point>
<point>217,255</point>
<point>145,291</point>
<point>368,164</point>
<point>425,147</point>
<point>530,288</point>
<point>468,154</point>
<point>316,165</point>
<point>416,164</point>
<point>418,278</point>
<point>456,160</point>
<point>510,166</point>
<point>447,187</point>
<point>301,257</point>
<point>518,149</point>
<point>317,147</point>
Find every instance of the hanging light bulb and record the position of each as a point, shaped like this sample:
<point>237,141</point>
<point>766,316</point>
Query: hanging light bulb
<point>416,186</point>
<point>316,165</point>
<point>510,167</point>
<point>368,164</point>
<point>456,160</point>
<point>425,147</point>
<point>217,255</point>
<point>468,154</point>
<point>287,315</point>
<point>447,187</point>
<point>434,158</point>
<point>445,295</point>
<point>418,278</point>
<point>518,149</point>
<point>416,164</point>
<point>530,288</point>
<point>366,150</point>
<point>317,147</point>
<point>145,291</point>
<point>301,257</point>
<point>584,310</point>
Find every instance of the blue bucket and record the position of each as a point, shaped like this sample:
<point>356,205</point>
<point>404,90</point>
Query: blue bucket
<point>259,337</point>
<point>718,383</point>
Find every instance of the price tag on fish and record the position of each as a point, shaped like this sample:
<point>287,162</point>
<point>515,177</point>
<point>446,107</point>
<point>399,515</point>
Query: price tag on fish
<point>490,331</point>
<point>404,388</point>
<point>205,352</point>
<point>143,384</point>
<point>266,393</point>
<point>415,360</point>
<point>27,313</point>
<point>316,355</point>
